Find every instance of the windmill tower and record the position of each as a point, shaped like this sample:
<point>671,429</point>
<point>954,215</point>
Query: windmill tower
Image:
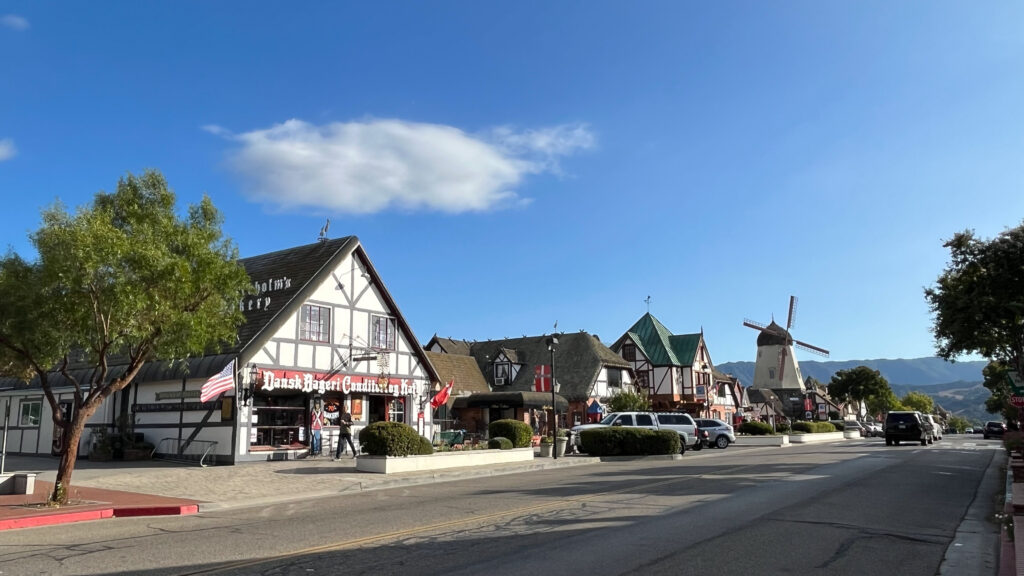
<point>776,367</point>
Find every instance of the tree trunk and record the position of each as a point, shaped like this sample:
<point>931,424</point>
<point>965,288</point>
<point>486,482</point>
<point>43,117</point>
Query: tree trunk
<point>62,484</point>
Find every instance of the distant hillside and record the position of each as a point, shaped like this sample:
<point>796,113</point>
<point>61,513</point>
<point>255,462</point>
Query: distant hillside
<point>914,372</point>
<point>954,386</point>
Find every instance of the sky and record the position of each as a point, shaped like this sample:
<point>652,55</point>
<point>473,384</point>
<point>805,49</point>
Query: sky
<point>510,165</point>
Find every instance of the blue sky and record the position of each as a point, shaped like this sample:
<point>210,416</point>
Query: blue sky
<point>509,165</point>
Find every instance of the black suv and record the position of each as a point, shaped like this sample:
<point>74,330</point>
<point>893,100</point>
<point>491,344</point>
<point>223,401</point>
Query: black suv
<point>994,429</point>
<point>905,425</point>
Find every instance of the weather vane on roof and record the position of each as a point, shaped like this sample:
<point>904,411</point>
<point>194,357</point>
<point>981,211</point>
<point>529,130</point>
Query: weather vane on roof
<point>323,231</point>
<point>648,301</point>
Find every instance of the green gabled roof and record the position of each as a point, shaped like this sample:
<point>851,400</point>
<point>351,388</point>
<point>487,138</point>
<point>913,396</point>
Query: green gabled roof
<point>652,338</point>
<point>685,347</point>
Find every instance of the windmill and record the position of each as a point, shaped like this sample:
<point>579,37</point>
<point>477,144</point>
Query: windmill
<point>776,366</point>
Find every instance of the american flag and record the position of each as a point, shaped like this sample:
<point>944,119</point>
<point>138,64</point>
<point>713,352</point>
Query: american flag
<point>219,383</point>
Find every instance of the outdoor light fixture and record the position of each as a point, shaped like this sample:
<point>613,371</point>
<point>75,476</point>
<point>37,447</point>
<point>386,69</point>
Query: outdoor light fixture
<point>250,387</point>
<point>552,346</point>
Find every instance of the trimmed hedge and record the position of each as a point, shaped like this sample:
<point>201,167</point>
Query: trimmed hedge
<point>625,441</point>
<point>813,427</point>
<point>393,439</point>
<point>755,429</point>
<point>499,443</point>
<point>517,432</point>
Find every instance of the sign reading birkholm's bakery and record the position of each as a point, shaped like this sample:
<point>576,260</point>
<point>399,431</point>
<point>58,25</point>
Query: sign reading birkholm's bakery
<point>311,382</point>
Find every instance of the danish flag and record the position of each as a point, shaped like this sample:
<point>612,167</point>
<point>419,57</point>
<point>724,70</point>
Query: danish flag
<point>542,378</point>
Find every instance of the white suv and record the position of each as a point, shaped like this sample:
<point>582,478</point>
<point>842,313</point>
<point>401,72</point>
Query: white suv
<point>679,422</point>
<point>936,426</point>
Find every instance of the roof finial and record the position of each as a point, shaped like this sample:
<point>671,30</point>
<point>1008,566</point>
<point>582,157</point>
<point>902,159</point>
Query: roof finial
<point>648,301</point>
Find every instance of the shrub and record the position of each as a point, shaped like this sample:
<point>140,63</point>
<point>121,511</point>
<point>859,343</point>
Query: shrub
<point>755,428</point>
<point>783,427</point>
<point>499,443</point>
<point>392,439</point>
<point>813,427</point>
<point>622,441</point>
<point>516,431</point>
<point>425,447</point>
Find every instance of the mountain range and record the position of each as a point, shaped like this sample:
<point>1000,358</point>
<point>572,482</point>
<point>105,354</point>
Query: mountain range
<point>956,386</point>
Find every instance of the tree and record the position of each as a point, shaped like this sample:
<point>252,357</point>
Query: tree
<point>884,403</point>
<point>629,402</point>
<point>958,423</point>
<point>862,384</point>
<point>918,401</point>
<point>120,282</point>
<point>998,384</point>
<point>978,300</point>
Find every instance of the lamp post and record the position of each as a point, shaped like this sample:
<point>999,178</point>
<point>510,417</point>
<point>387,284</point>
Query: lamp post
<point>552,345</point>
<point>250,387</point>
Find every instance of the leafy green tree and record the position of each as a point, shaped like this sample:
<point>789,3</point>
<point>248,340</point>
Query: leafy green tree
<point>884,402</point>
<point>978,302</point>
<point>862,384</point>
<point>918,401</point>
<point>998,384</point>
<point>116,284</point>
<point>629,402</point>
<point>959,423</point>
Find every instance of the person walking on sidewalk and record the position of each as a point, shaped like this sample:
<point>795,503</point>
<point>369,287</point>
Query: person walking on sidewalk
<point>316,425</point>
<point>344,433</point>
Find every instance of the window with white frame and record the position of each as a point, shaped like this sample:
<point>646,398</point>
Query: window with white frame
<point>315,323</point>
<point>501,373</point>
<point>31,412</point>
<point>396,410</point>
<point>383,329</point>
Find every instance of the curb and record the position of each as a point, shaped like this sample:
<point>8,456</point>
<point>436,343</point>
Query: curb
<point>100,514</point>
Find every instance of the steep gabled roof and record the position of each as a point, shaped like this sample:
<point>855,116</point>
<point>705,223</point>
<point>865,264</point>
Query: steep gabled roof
<point>685,347</point>
<point>449,345</point>
<point>461,368</point>
<point>659,345</point>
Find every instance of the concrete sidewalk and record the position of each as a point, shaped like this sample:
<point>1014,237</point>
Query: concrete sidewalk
<point>111,489</point>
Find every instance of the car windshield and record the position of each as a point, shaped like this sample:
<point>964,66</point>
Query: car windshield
<point>609,419</point>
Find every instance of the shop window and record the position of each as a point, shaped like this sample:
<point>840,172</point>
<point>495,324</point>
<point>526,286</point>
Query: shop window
<point>31,412</point>
<point>614,378</point>
<point>315,323</point>
<point>396,410</point>
<point>384,333</point>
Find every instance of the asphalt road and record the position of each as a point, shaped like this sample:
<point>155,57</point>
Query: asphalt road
<point>847,508</point>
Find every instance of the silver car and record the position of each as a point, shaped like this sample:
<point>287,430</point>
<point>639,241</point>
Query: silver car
<point>720,434</point>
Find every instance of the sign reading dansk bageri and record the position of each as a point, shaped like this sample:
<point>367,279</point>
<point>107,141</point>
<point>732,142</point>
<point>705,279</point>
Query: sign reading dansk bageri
<point>309,382</point>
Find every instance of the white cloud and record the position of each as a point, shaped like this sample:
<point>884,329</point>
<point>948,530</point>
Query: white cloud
<point>370,166</point>
<point>7,149</point>
<point>14,22</point>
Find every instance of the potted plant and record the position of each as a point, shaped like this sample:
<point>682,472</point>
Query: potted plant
<point>562,440</point>
<point>546,444</point>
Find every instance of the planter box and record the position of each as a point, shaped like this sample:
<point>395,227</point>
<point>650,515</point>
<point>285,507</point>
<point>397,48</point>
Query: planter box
<point>814,438</point>
<point>777,440</point>
<point>441,460</point>
<point>851,434</point>
<point>545,450</point>
<point>18,483</point>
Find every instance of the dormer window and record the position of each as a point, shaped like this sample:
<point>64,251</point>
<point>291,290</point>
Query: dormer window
<point>629,352</point>
<point>501,373</point>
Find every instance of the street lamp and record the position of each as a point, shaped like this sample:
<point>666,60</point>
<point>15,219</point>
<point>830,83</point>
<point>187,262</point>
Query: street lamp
<point>250,387</point>
<point>552,346</point>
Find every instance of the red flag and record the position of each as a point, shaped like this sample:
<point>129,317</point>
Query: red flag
<point>219,383</point>
<point>442,396</point>
<point>542,378</point>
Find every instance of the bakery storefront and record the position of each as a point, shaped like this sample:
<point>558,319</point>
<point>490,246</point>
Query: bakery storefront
<point>283,401</point>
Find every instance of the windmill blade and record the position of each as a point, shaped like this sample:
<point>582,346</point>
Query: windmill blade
<point>755,325</point>
<point>791,321</point>
<point>810,348</point>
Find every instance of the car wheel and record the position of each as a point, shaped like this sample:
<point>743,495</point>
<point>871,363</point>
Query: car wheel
<point>682,445</point>
<point>926,441</point>
<point>895,442</point>
<point>985,436</point>
<point>888,441</point>
<point>722,442</point>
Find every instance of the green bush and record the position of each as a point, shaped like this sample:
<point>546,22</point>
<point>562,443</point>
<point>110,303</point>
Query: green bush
<point>499,443</point>
<point>783,427</point>
<point>813,427</point>
<point>517,432</point>
<point>392,439</point>
<point>755,428</point>
<point>622,441</point>
<point>425,447</point>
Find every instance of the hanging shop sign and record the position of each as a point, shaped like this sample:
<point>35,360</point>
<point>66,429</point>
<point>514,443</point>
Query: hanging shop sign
<point>311,382</point>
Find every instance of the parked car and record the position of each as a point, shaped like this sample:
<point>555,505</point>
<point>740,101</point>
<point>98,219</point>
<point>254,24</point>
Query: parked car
<point>679,422</point>
<point>874,429</point>
<point>905,425</point>
<point>936,426</point>
<point>720,434</point>
<point>994,429</point>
